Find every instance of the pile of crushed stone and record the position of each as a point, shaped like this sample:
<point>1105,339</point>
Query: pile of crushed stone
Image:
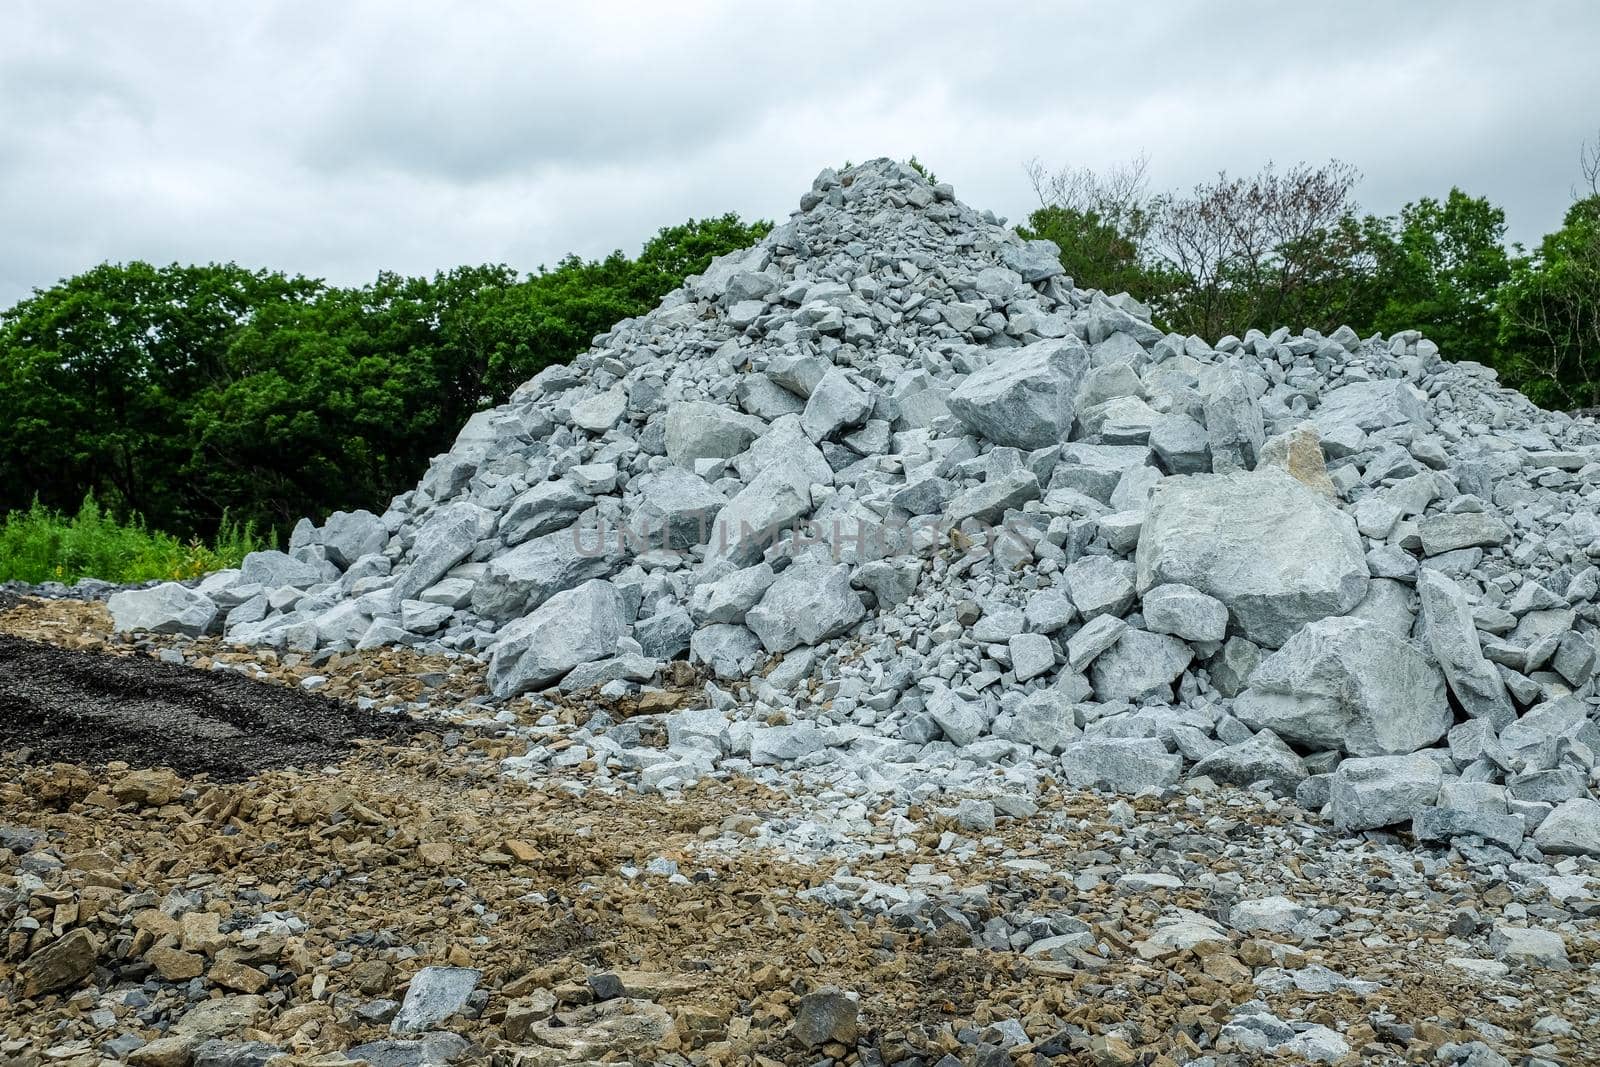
<point>934,516</point>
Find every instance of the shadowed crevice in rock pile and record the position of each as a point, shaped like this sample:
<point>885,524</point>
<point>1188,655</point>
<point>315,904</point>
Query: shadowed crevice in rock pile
<point>85,708</point>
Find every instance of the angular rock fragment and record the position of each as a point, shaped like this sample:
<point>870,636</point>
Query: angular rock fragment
<point>1270,548</point>
<point>1024,398</point>
<point>1343,683</point>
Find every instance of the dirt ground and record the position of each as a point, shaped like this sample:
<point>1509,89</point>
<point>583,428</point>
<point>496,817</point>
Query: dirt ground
<point>299,905</point>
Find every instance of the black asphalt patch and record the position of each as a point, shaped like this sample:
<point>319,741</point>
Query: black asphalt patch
<point>63,705</point>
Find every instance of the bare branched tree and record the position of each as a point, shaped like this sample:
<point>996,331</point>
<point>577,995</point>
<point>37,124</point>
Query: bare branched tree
<point>1114,194</point>
<point>1242,245</point>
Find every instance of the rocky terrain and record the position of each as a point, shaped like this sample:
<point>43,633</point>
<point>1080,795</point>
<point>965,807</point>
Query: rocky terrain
<point>413,903</point>
<point>886,651</point>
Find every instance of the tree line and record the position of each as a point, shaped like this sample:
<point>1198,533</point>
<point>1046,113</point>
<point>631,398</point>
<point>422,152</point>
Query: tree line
<point>186,394</point>
<point>191,394</point>
<point>1292,248</point>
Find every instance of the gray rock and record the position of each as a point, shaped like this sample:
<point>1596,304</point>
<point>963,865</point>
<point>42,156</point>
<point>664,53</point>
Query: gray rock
<point>1575,658</point>
<point>1049,611</point>
<point>437,1048</point>
<point>447,537</point>
<point>1447,824</point>
<point>1528,945</point>
<point>1139,666</point>
<point>961,720</point>
<point>600,413</point>
<point>1031,656</point>
<point>829,1014</point>
<point>1368,406</point>
<point>1262,758</point>
<point>572,627</point>
<point>1231,667</point>
<point>760,513</point>
<point>697,429</point>
<point>1274,551</point>
<point>1184,611</point>
<point>1453,639</point>
<point>1024,398</point>
<point>666,634</point>
<point>1044,720</point>
<point>730,650</point>
<point>524,578</point>
<point>349,535</point>
<point>805,605</point>
<point>1120,764</point>
<point>1233,423</point>
<point>1573,829</point>
<point>234,1054</point>
<point>673,508</point>
<point>1367,793</point>
<point>1447,533</point>
<point>890,581</point>
<point>989,500</point>
<point>1034,260</point>
<point>835,404</point>
<point>1347,684</point>
<point>435,994</point>
<point>1092,639</point>
<point>168,608</point>
<point>274,570</point>
<point>729,598</point>
<point>1100,585</point>
<point>543,509</point>
<point>1181,443</point>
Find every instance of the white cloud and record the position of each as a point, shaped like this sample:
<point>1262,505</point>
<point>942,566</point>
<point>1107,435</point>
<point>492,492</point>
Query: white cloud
<point>338,140</point>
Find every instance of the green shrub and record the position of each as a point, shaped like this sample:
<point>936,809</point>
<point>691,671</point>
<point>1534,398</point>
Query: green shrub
<point>41,545</point>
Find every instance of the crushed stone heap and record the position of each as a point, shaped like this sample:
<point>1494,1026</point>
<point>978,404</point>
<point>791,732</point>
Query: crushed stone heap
<point>907,491</point>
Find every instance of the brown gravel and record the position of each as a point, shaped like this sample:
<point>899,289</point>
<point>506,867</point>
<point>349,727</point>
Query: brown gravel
<point>418,852</point>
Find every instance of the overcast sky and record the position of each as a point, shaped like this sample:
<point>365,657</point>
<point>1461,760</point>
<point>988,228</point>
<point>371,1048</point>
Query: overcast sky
<point>337,139</point>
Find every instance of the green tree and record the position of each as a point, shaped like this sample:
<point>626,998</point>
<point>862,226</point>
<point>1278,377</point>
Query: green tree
<point>95,374</point>
<point>1439,267</point>
<point>187,393</point>
<point>1550,314</point>
<point>1101,223</point>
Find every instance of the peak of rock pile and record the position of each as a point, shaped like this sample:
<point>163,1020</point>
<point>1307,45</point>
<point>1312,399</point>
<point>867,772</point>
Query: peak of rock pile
<point>903,487</point>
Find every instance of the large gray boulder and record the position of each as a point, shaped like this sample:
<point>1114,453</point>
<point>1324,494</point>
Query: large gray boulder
<point>537,570</point>
<point>1453,638</point>
<point>1139,666</point>
<point>573,627</point>
<point>435,994</point>
<point>836,403</point>
<point>168,608</point>
<point>760,513</point>
<point>274,570</point>
<point>1348,684</point>
<point>697,429</point>
<point>447,537</point>
<point>545,508</point>
<point>1263,757</point>
<point>1383,790</point>
<point>672,508</point>
<point>1368,406</point>
<point>1274,551</point>
<point>1572,829</point>
<point>349,535</point>
<point>1234,430</point>
<point>1025,397</point>
<point>1185,612</point>
<point>1120,764</point>
<point>805,605</point>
